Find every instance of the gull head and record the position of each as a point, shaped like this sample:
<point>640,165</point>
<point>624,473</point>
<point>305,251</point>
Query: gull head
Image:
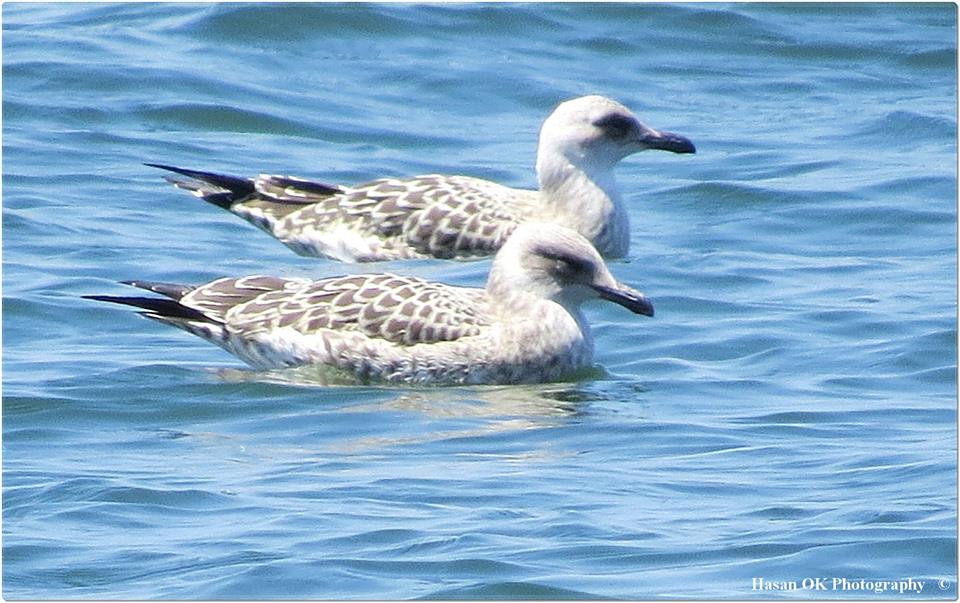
<point>552,262</point>
<point>595,131</point>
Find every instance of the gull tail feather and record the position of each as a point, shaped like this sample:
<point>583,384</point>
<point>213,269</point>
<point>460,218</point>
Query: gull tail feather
<point>173,313</point>
<point>157,307</point>
<point>219,189</point>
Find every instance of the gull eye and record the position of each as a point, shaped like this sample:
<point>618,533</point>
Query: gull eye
<point>568,267</point>
<point>615,125</point>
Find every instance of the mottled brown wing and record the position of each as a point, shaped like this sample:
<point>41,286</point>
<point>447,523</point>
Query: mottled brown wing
<point>403,310</point>
<point>442,216</point>
<point>467,216</point>
<point>218,298</point>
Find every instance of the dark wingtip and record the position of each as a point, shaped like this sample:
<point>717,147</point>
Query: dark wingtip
<point>103,298</point>
<point>161,307</point>
<point>238,187</point>
<point>161,166</point>
<point>309,186</point>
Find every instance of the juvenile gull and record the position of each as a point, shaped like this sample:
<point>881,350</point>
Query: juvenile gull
<point>526,326</point>
<point>453,216</point>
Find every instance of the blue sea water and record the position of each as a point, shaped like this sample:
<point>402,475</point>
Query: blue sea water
<point>790,413</point>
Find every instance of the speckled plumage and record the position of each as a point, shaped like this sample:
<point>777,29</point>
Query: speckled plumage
<point>452,216</point>
<point>525,326</point>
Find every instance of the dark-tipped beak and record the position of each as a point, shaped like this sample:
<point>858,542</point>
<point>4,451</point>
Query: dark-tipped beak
<point>630,299</point>
<point>667,141</point>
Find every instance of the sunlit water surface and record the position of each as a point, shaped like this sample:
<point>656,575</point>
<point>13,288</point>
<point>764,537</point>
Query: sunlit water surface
<point>789,413</point>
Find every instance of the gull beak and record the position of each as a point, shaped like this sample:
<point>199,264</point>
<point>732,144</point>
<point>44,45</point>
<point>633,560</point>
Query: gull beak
<point>665,141</point>
<point>631,299</point>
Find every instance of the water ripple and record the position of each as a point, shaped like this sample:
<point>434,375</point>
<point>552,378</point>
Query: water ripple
<point>791,411</point>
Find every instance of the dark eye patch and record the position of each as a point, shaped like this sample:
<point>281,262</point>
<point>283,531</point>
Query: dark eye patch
<point>568,265</point>
<point>615,125</point>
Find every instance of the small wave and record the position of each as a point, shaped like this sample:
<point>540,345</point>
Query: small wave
<point>937,58</point>
<point>725,19</point>
<point>530,591</point>
<point>607,45</point>
<point>287,25</point>
<point>217,117</point>
<point>909,128</point>
<point>783,513</point>
<point>739,194</point>
<point>905,415</point>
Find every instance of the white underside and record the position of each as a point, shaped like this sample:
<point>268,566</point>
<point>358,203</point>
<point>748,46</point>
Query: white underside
<point>537,346</point>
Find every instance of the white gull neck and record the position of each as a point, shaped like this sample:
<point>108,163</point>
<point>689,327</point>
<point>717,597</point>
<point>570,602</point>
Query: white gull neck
<point>582,193</point>
<point>526,320</point>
